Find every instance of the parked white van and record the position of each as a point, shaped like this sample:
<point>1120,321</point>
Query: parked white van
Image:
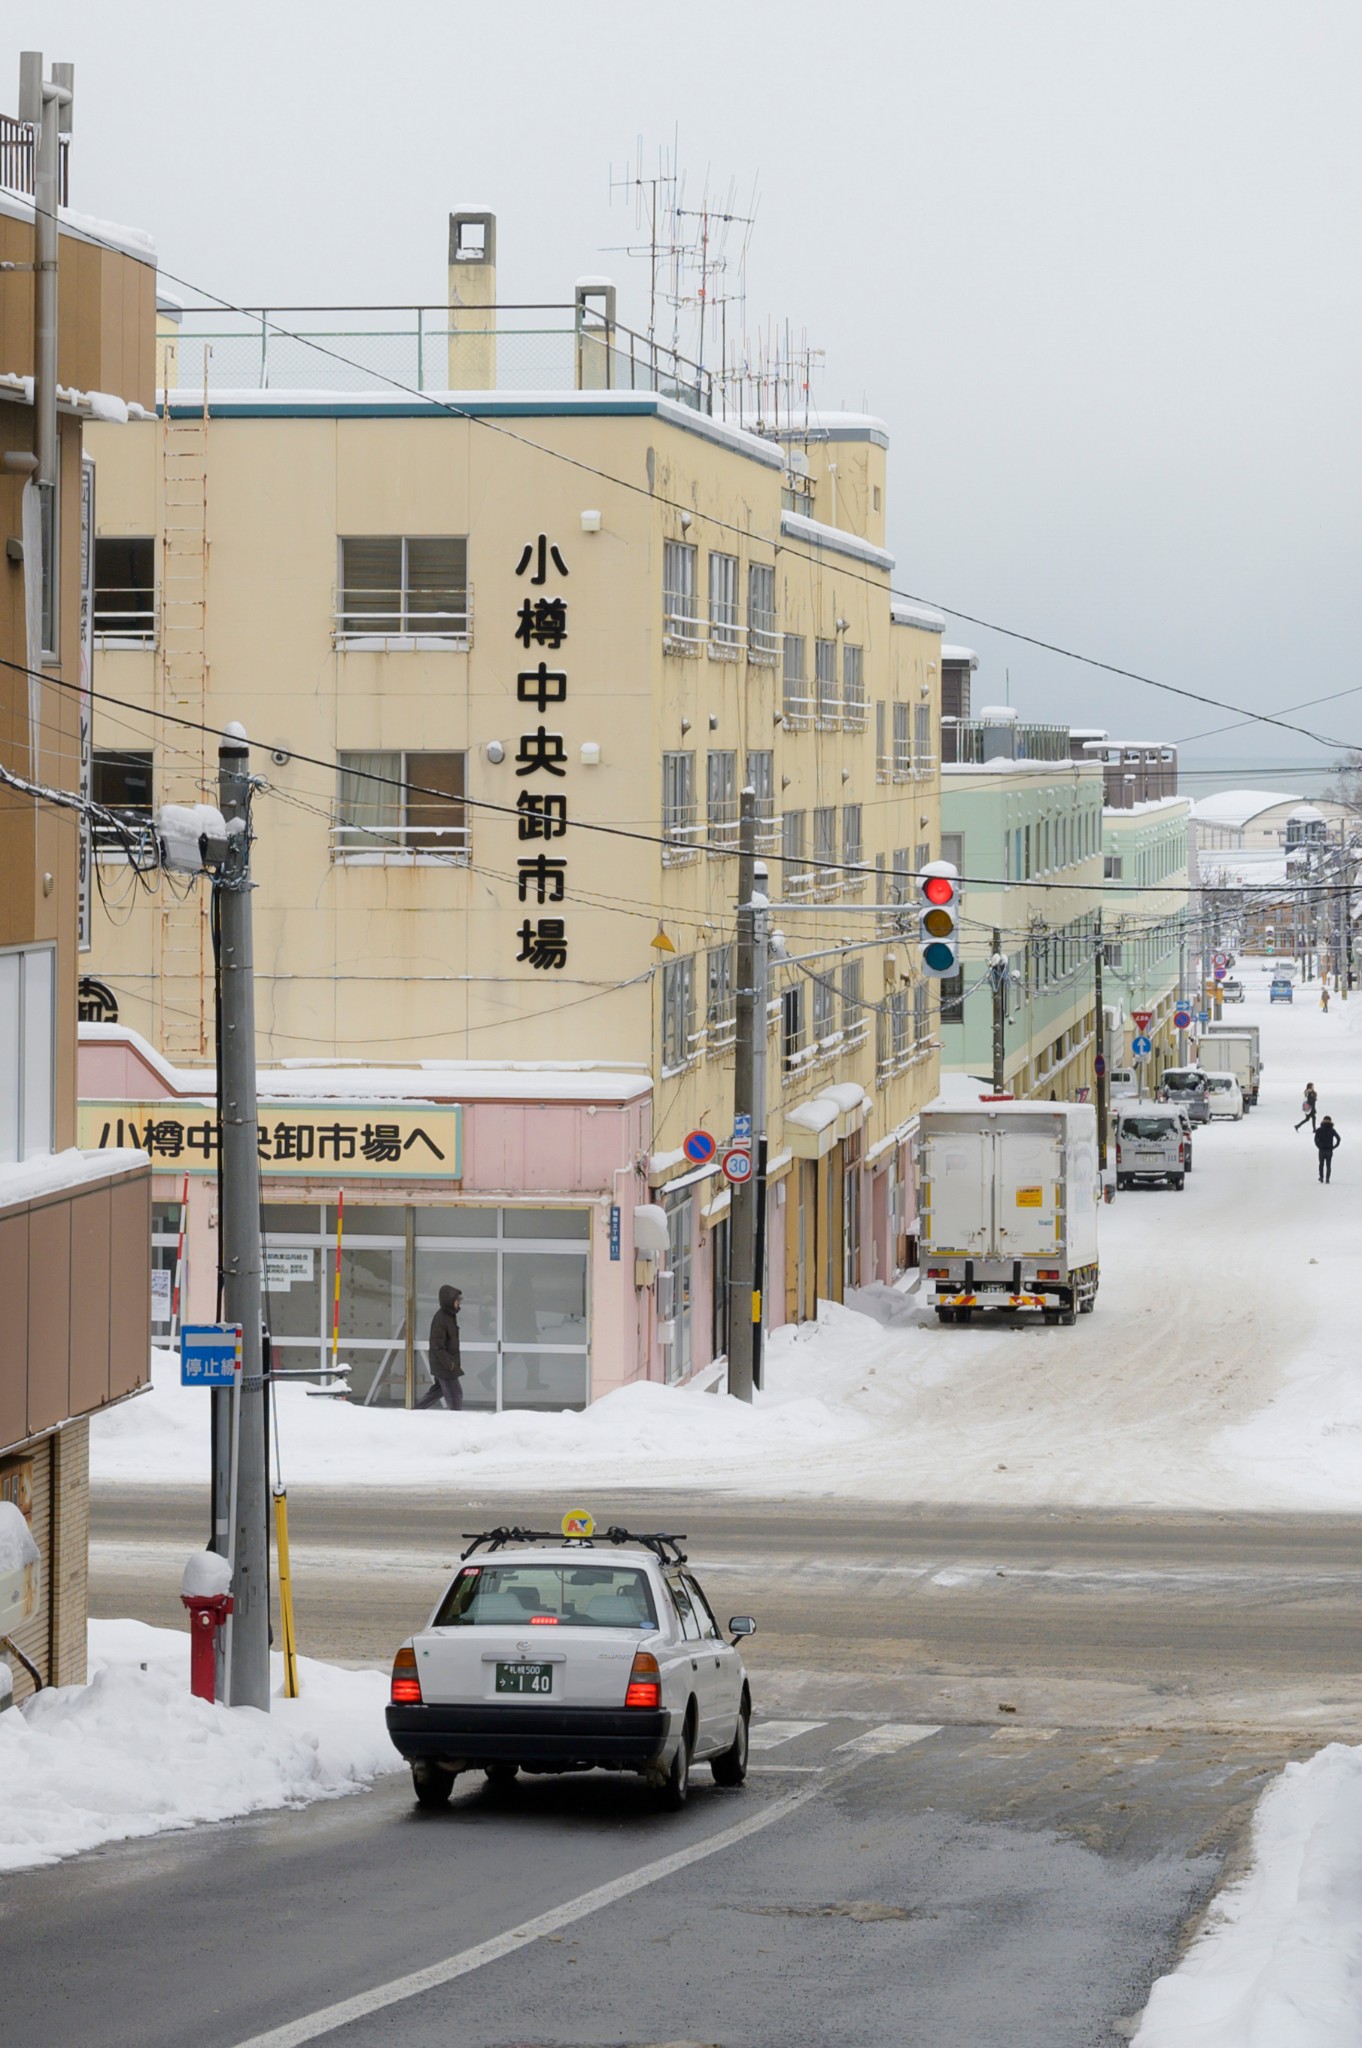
<point>1150,1145</point>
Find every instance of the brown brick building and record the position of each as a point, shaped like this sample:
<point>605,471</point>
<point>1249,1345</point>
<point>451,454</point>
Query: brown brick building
<point>74,1230</point>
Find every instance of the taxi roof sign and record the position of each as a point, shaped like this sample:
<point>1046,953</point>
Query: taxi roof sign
<point>578,1526</point>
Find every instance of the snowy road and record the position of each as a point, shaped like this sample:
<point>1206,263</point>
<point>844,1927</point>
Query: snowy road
<point>1219,1371</point>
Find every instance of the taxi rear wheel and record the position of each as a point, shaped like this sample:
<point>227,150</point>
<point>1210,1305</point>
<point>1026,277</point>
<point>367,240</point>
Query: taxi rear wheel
<point>731,1767</point>
<point>677,1782</point>
<point>432,1784</point>
<point>502,1774</point>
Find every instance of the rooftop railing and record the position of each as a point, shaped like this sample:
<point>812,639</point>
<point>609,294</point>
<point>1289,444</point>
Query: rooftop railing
<point>18,144</point>
<point>419,348</point>
<point>1029,742</point>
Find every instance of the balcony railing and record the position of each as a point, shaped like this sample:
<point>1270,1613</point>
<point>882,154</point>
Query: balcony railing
<point>18,143</point>
<point>422,348</point>
<point>680,830</point>
<point>375,618</point>
<point>124,617</point>
<point>1017,742</point>
<point>401,845</point>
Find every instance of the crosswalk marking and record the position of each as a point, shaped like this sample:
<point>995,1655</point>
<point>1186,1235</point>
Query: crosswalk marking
<point>890,1735</point>
<point>770,1734</point>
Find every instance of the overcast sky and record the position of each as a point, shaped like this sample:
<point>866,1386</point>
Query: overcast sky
<point>1096,265</point>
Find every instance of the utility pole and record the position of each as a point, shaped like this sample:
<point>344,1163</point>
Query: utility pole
<point>1100,1033</point>
<point>248,1675</point>
<point>761,946</point>
<point>743,1224</point>
<point>45,105</point>
<point>997,968</point>
<point>1182,990</point>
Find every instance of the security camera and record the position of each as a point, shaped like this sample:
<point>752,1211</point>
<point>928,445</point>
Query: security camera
<point>280,756</point>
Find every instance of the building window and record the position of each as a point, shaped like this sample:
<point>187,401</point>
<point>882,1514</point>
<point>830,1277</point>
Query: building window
<point>680,613</point>
<point>921,1024</point>
<point>898,1021</point>
<point>678,807</point>
<point>721,801</point>
<point>721,996</point>
<point>853,687</point>
<point>49,530</point>
<point>826,879</point>
<point>400,806</point>
<point>795,682</point>
<point>121,782</point>
<point>792,1029</point>
<point>923,755</point>
<point>678,1013</point>
<point>854,1021</point>
<point>902,869</point>
<point>853,846</point>
<point>825,675</point>
<point>792,854</point>
<point>761,779</point>
<point>903,750</point>
<point>763,641</point>
<point>125,591</point>
<point>404,588</point>
<point>824,1013</point>
<point>28,1038</point>
<point>953,997</point>
<point>723,607</point>
<point>881,741</point>
<point>1112,867</point>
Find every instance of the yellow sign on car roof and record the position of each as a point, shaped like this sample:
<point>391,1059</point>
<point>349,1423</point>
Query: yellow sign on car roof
<point>578,1526</point>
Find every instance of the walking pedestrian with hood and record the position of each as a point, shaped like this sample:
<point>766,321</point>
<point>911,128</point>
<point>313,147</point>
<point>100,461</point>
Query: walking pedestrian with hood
<point>446,1367</point>
<point>1310,1105</point>
<point>1324,999</point>
<point>1327,1142</point>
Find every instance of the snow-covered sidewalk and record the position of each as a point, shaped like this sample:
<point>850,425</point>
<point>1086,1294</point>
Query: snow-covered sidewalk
<point>1279,1962</point>
<point>1219,1370</point>
<point>133,1753</point>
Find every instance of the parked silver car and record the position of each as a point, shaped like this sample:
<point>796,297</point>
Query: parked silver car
<point>1187,1087</point>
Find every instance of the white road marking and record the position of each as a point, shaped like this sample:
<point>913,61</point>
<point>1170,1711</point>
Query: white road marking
<point>331,2017</point>
<point>770,1734</point>
<point>1024,1734</point>
<point>889,1736</point>
<point>785,1770</point>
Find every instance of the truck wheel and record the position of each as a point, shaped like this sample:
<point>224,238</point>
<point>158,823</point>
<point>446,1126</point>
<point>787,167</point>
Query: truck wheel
<point>945,1315</point>
<point>1067,1317</point>
<point>1087,1305</point>
<point>1179,1181</point>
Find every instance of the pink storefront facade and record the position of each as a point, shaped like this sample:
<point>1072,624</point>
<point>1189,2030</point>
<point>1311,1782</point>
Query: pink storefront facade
<point>525,1187</point>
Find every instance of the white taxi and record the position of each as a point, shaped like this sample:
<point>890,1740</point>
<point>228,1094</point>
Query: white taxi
<point>572,1653</point>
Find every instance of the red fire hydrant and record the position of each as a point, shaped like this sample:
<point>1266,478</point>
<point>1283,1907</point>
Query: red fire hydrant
<point>205,1591</point>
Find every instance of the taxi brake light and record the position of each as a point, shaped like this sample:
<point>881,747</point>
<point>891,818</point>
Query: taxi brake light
<point>645,1681</point>
<point>406,1684</point>
<point>543,1621</point>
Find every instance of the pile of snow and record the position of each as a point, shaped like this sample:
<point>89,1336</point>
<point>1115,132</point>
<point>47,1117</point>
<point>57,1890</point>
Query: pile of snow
<point>134,1753</point>
<point>1279,1964</point>
<point>17,1547</point>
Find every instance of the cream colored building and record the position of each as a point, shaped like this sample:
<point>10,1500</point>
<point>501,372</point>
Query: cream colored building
<point>508,659</point>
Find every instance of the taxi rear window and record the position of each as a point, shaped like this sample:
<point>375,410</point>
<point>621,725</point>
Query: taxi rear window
<point>551,1595</point>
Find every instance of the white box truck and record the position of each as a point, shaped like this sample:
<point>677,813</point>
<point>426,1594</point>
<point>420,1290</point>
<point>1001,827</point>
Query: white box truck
<point>1237,1030</point>
<point>1230,1052</point>
<point>1008,1194</point>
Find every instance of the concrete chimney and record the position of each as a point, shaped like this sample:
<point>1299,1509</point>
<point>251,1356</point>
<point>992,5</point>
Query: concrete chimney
<point>472,298</point>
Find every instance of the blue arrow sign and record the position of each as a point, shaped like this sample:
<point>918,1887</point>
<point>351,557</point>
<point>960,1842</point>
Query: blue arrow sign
<point>1140,1045</point>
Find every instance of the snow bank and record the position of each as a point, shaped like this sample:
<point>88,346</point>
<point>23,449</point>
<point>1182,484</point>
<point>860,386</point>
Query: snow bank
<point>1279,1964</point>
<point>133,1753</point>
<point>17,1547</point>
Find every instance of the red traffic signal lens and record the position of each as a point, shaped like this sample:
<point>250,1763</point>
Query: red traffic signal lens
<point>939,889</point>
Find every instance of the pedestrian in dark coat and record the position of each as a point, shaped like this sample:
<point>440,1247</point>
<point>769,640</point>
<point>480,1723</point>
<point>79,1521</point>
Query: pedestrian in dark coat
<point>446,1368</point>
<point>1327,1142</point>
<point>1310,1105</point>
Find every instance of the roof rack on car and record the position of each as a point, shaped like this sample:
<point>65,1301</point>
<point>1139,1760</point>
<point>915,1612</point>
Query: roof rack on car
<point>666,1548</point>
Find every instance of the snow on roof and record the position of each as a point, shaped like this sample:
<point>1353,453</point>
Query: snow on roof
<point>960,654</point>
<point>1089,734</point>
<point>251,402</point>
<point>797,527</point>
<point>86,227</point>
<point>1306,814</point>
<point>1113,813</point>
<point>1238,806</point>
<point>838,426</point>
<point>904,614</point>
<point>28,1180</point>
<point>423,1081</point>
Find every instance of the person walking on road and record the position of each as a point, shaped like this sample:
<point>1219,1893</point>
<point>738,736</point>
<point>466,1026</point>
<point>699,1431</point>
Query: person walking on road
<point>446,1368</point>
<point>1324,999</point>
<point>1310,1105</point>
<point>1327,1142</point>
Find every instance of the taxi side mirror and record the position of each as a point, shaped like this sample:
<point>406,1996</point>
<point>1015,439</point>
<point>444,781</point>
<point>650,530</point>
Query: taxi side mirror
<point>741,1625</point>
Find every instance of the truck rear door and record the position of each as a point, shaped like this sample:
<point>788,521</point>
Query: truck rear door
<point>959,1197</point>
<point>1030,1166</point>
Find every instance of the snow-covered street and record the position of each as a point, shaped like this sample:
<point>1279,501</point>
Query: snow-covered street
<point>1218,1371</point>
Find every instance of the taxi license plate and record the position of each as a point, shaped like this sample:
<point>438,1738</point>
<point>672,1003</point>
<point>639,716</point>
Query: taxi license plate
<point>525,1678</point>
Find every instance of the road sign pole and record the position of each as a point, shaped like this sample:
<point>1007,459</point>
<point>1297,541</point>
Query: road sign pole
<point>1100,1062</point>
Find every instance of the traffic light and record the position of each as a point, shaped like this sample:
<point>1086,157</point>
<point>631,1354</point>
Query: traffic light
<point>938,933</point>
